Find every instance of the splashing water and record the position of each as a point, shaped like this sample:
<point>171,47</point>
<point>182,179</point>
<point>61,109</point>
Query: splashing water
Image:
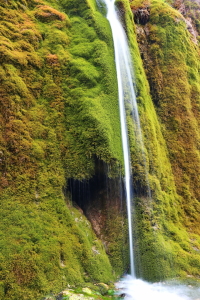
<point>137,289</point>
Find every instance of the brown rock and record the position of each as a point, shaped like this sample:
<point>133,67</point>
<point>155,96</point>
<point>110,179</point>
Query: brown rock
<point>141,15</point>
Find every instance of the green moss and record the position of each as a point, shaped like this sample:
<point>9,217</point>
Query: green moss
<point>171,63</point>
<point>48,251</point>
<point>59,114</point>
<point>53,124</point>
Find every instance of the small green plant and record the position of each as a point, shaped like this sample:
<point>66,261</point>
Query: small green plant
<point>111,292</point>
<point>65,297</point>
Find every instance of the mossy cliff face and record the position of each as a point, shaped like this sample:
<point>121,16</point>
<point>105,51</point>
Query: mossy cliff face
<point>166,232</point>
<point>171,62</point>
<point>60,124</point>
<point>59,116</point>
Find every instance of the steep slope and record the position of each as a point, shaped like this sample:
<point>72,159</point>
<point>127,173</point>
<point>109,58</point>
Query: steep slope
<point>171,61</point>
<point>59,117</point>
<point>61,153</point>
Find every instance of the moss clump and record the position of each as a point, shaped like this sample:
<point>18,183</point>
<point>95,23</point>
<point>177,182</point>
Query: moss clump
<point>46,13</point>
<point>46,252</point>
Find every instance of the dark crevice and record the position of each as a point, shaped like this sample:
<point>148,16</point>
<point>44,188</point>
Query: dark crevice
<point>99,191</point>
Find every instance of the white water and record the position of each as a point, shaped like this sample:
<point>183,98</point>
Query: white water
<point>125,78</point>
<point>137,289</point>
<point>125,86</point>
<point>130,286</point>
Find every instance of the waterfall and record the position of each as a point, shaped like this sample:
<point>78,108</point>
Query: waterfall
<point>125,87</point>
<point>130,286</point>
<point>126,93</point>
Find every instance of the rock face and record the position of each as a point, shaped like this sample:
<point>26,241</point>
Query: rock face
<point>192,30</point>
<point>60,145</point>
<point>58,113</point>
<point>191,11</point>
<point>168,46</point>
<point>141,15</point>
<point>103,201</point>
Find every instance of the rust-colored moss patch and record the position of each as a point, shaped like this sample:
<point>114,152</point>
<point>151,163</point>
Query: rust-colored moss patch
<point>45,13</point>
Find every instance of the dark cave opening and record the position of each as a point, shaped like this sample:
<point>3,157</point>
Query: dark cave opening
<point>103,202</point>
<point>84,192</point>
<point>98,191</point>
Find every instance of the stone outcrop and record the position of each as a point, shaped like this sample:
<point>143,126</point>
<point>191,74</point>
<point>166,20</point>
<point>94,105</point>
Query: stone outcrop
<point>141,15</point>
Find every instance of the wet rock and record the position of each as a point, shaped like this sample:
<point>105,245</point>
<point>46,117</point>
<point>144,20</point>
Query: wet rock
<point>141,15</point>
<point>103,288</point>
<point>180,6</point>
<point>122,295</point>
<point>72,296</point>
<point>191,29</point>
<point>87,291</point>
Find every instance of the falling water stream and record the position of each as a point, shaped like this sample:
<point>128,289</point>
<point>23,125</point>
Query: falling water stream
<point>125,87</point>
<point>130,286</point>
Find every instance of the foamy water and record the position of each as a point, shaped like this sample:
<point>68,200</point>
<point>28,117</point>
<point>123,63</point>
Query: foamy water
<point>137,289</point>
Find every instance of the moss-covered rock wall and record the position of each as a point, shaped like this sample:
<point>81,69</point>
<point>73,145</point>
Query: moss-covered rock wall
<point>60,125</point>
<point>59,115</point>
<point>170,57</point>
